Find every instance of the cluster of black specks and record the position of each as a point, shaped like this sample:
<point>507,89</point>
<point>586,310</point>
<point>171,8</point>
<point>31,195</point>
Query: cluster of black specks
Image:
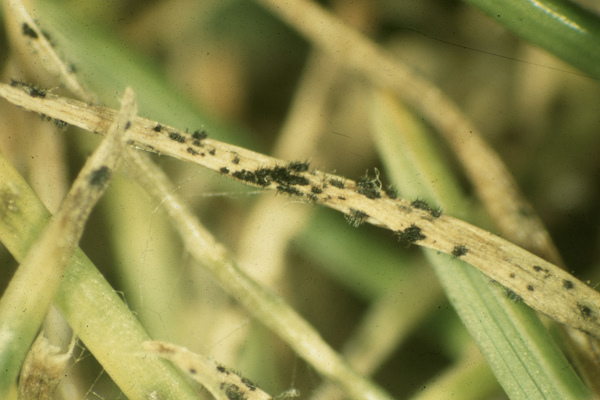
<point>391,192</point>
<point>585,311</point>
<point>410,235</point>
<point>423,205</point>
<point>33,91</point>
<point>356,217</point>
<point>233,392</point>
<point>157,128</point>
<point>100,176</point>
<point>338,183</point>
<point>316,190</point>
<point>222,369</point>
<point>513,296</point>
<point>199,136</point>
<point>224,170</point>
<point>192,151</point>
<point>249,384</point>
<point>370,186</point>
<point>28,31</point>
<point>530,288</point>
<point>236,159</point>
<point>459,251</point>
<point>177,137</point>
<point>287,189</point>
<point>212,151</point>
<point>60,123</point>
<point>546,271</point>
<point>568,284</point>
<point>264,176</point>
<point>298,166</point>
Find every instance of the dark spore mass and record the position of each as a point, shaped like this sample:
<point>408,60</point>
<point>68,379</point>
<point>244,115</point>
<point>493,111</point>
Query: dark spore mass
<point>236,160</point>
<point>233,392</point>
<point>338,183</point>
<point>567,284</point>
<point>513,296</point>
<point>288,190</point>
<point>222,369</point>
<point>100,176</point>
<point>224,170</point>
<point>192,371</point>
<point>249,384</point>
<point>530,288</point>
<point>191,151</point>
<point>423,205</point>
<point>157,128</point>
<point>200,135</point>
<point>356,217</point>
<point>459,251</point>
<point>369,186</point>
<point>212,152</point>
<point>127,125</point>
<point>537,268</point>
<point>298,166</point>
<point>316,190</point>
<point>391,192</point>
<point>410,235</point>
<point>60,123</point>
<point>28,31</point>
<point>177,137</point>
<point>586,312</point>
<point>33,91</point>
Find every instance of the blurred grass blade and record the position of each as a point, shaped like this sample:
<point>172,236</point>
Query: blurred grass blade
<point>561,27</point>
<point>98,52</point>
<point>524,358</point>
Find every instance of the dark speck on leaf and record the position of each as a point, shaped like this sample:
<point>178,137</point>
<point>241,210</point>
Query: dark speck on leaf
<point>100,176</point>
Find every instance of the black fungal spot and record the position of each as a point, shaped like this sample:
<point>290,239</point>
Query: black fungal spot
<point>222,369</point>
<point>177,137</point>
<point>60,123</point>
<point>356,217</point>
<point>512,275</point>
<point>585,311</point>
<point>459,251</point>
<point>192,371</point>
<point>530,288</point>
<point>249,384</point>
<point>200,135</point>
<point>513,296</point>
<point>236,160</point>
<point>391,192</point>
<point>191,151</point>
<point>212,152</point>
<point>370,186</point>
<point>28,31</point>
<point>233,392</point>
<point>32,90</point>
<point>157,128</point>
<point>341,198</point>
<point>298,166</point>
<point>410,235</point>
<point>128,125</point>
<point>316,190</point>
<point>337,183</point>
<point>423,205</point>
<point>100,176</point>
<point>224,170</point>
<point>288,190</point>
<point>537,268</point>
<point>567,284</point>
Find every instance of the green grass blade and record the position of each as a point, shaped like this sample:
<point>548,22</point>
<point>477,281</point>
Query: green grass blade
<point>561,27</point>
<point>524,358</point>
<point>93,309</point>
